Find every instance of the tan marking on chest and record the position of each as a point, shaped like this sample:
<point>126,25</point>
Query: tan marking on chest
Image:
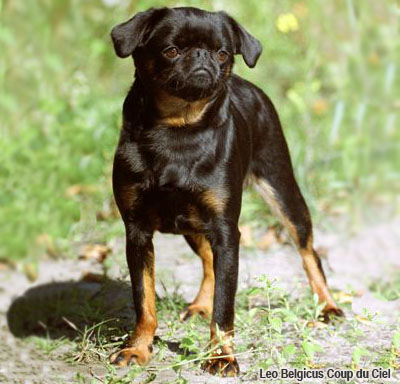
<point>177,112</point>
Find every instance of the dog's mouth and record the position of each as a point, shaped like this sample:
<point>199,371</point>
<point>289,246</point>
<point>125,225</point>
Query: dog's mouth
<point>195,84</point>
<point>202,72</point>
<point>201,77</point>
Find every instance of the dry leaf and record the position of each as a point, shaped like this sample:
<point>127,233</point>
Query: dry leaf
<point>363,320</point>
<point>109,211</point>
<point>43,239</point>
<point>246,237</point>
<point>97,252</point>
<point>395,365</point>
<point>269,239</point>
<point>46,241</point>
<point>283,237</point>
<point>31,271</point>
<point>4,267</point>
<point>92,277</point>
<point>343,297</point>
<point>78,189</point>
<point>316,324</point>
<point>6,264</point>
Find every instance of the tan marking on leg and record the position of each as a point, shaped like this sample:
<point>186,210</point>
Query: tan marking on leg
<point>268,194</point>
<point>310,258</point>
<point>194,217</point>
<point>222,360</point>
<point>221,337</point>
<point>316,278</point>
<point>128,196</point>
<point>139,347</point>
<point>215,199</point>
<point>154,219</point>
<point>147,324</point>
<point>203,303</point>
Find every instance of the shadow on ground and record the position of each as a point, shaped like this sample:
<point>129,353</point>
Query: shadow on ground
<point>64,309</point>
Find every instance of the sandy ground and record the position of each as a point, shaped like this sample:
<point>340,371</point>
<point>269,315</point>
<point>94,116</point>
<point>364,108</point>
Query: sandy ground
<point>352,262</point>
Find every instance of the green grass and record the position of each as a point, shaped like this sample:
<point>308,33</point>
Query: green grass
<point>273,329</point>
<point>334,80</point>
<point>387,290</point>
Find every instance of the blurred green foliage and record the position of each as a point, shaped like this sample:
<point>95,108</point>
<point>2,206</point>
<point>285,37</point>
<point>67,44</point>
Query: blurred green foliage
<point>331,69</point>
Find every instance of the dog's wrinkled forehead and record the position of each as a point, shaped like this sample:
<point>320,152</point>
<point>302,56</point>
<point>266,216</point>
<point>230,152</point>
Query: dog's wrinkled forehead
<point>183,30</point>
<point>185,27</point>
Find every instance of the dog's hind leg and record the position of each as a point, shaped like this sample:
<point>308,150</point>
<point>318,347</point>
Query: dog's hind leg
<point>203,303</point>
<point>275,181</point>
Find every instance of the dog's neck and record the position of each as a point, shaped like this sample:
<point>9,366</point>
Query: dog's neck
<point>177,112</point>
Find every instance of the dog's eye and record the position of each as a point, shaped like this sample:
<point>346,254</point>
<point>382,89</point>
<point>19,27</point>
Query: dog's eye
<point>171,52</point>
<point>222,56</point>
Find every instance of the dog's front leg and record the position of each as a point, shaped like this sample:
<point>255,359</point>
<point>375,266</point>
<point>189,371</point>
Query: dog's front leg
<point>224,241</point>
<point>140,257</point>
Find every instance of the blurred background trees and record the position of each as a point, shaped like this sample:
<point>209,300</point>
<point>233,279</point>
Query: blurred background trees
<point>331,68</point>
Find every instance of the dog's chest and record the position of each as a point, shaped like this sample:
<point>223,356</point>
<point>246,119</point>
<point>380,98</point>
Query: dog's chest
<point>169,194</point>
<point>174,210</point>
<point>175,199</point>
<point>173,177</point>
<point>179,159</point>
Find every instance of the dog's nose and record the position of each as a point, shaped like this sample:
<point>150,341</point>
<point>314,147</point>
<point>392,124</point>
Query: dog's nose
<point>201,53</point>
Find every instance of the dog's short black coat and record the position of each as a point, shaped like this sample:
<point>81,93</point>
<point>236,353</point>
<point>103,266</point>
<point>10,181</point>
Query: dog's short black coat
<point>193,134</point>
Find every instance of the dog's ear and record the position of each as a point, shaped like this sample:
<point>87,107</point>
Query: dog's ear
<point>244,43</point>
<point>135,32</point>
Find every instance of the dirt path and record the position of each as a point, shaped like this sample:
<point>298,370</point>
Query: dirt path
<point>352,262</point>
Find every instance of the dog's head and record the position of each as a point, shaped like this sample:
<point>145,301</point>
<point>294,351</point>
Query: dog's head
<point>186,52</point>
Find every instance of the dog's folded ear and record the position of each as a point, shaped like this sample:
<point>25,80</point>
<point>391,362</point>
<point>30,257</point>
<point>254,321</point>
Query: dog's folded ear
<point>244,43</point>
<point>135,32</point>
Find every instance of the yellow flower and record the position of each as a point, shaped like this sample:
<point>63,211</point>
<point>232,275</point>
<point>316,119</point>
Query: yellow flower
<point>287,22</point>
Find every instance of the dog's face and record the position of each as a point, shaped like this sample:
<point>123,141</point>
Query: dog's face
<point>185,52</point>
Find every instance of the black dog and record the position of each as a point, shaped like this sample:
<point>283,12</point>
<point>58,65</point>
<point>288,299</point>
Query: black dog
<point>192,135</point>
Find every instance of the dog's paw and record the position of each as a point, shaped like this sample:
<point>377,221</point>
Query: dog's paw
<point>204,311</point>
<point>138,354</point>
<point>331,312</point>
<point>226,366</point>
